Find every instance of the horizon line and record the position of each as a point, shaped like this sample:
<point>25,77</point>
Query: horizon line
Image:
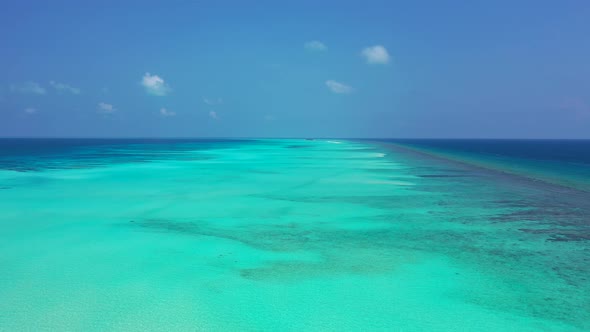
<point>298,137</point>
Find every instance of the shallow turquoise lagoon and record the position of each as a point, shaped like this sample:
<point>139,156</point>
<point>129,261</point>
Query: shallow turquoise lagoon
<point>284,235</point>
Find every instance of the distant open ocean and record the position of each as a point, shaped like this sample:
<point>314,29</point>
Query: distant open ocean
<point>294,235</point>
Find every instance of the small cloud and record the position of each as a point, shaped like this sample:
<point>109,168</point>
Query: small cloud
<point>62,87</point>
<point>28,88</point>
<point>376,55</point>
<point>106,108</point>
<point>166,113</point>
<point>213,115</point>
<point>315,45</point>
<point>155,85</point>
<point>30,110</point>
<point>338,87</point>
<point>211,102</point>
<point>269,117</point>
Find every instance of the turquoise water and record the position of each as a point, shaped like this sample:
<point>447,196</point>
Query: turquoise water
<point>283,235</point>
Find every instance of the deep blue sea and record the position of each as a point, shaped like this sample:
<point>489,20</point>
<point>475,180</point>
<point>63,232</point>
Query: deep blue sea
<point>29,154</point>
<point>565,162</point>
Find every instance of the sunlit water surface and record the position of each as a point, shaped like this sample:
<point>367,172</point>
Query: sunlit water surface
<point>282,235</point>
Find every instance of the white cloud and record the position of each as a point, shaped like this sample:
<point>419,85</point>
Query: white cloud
<point>155,85</point>
<point>62,87</point>
<point>30,110</point>
<point>211,102</point>
<point>269,117</point>
<point>315,45</point>
<point>376,55</point>
<point>28,88</point>
<point>165,112</point>
<point>213,115</point>
<point>106,108</point>
<point>338,87</point>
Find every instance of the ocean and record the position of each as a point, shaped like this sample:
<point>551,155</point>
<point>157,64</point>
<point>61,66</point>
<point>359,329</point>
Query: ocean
<point>294,235</point>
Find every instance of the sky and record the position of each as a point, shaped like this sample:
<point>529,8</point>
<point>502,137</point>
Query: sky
<point>395,69</point>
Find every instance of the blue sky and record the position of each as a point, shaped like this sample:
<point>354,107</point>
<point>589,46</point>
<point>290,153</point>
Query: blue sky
<point>517,69</point>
